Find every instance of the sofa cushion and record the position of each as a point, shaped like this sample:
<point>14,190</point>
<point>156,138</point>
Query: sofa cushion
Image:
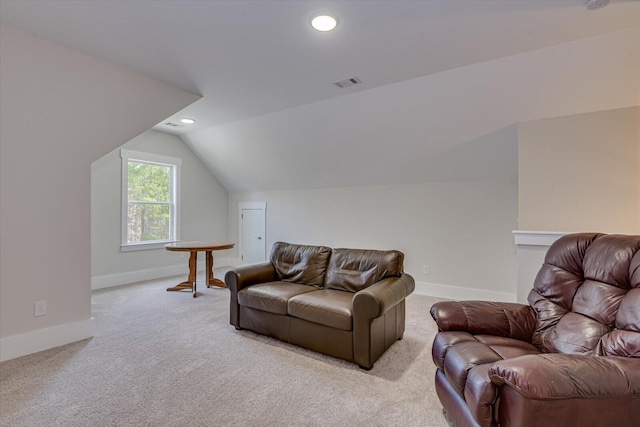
<point>466,359</point>
<point>327,307</point>
<point>459,352</point>
<point>271,297</point>
<point>352,270</point>
<point>443,341</point>
<point>303,264</point>
<point>619,343</point>
<point>581,293</point>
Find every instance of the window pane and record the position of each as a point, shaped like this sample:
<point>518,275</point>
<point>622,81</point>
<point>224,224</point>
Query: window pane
<point>148,222</point>
<point>148,183</point>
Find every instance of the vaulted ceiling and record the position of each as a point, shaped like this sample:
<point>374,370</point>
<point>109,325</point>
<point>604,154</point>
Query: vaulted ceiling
<point>443,82</point>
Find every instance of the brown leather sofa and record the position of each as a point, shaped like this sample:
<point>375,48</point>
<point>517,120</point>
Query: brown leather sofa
<point>347,303</point>
<point>570,358</point>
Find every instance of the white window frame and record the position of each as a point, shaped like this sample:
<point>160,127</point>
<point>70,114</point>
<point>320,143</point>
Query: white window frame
<point>156,159</point>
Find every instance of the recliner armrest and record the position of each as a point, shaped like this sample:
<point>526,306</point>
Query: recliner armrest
<point>242,277</point>
<point>567,376</point>
<point>504,319</point>
<point>378,298</point>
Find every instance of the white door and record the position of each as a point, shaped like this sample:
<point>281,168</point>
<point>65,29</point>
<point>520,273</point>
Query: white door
<point>253,236</point>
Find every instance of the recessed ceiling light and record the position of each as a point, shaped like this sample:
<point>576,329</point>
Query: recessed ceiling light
<point>187,121</point>
<point>324,23</point>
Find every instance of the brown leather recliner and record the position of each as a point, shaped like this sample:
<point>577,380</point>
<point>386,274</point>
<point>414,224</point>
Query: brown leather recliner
<point>570,358</point>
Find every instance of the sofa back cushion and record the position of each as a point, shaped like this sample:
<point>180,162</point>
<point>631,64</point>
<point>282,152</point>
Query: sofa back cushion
<point>355,269</point>
<point>586,296</point>
<point>301,264</point>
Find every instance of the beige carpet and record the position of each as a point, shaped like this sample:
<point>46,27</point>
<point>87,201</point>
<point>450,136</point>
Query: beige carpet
<point>167,359</point>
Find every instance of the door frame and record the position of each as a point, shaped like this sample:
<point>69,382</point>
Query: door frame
<point>251,206</point>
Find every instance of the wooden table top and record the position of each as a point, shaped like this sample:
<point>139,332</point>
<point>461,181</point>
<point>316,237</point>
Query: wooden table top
<point>186,246</point>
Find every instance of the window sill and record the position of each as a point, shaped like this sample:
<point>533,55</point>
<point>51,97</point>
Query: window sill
<point>144,246</point>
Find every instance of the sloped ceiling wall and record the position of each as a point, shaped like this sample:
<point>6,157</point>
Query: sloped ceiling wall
<point>59,111</point>
<point>445,126</point>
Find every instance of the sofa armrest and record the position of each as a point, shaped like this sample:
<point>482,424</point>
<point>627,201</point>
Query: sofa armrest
<point>371,333</point>
<point>242,277</point>
<point>568,376</point>
<point>377,299</point>
<point>504,319</point>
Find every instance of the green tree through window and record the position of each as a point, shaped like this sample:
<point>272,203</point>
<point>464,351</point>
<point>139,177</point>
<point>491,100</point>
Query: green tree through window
<point>150,200</point>
<point>149,207</point>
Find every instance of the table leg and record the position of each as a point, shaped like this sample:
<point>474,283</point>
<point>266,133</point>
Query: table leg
<point>208,269</point>
<point>191,282</point>
<point>210,280</point>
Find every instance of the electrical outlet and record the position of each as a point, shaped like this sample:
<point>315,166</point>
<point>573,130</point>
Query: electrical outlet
<point>39,308</point>
<point>426,269</point>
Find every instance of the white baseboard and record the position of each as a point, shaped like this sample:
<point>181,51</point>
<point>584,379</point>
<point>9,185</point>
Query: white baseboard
<point>422,288</point>
<point>111,280</point>
<point>44,339</point>
<point>223,262</point>
<point>459,293</point>
<point>234,262</point>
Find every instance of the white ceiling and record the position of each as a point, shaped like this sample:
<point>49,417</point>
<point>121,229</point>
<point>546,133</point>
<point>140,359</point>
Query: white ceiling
<point>259,66</point>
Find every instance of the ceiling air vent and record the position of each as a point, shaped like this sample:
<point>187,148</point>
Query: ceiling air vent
<point>348,82</point>
<point>596,4</point>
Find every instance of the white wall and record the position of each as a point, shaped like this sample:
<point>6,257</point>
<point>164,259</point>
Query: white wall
<point>398,133</point>
<point>59,111</point>
<point>462,230</point>
<point>580,173</point>
<point>576,173</point>
<point>203,213</point>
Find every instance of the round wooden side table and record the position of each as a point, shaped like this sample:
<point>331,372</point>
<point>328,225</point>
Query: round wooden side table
<point>193,248</point>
